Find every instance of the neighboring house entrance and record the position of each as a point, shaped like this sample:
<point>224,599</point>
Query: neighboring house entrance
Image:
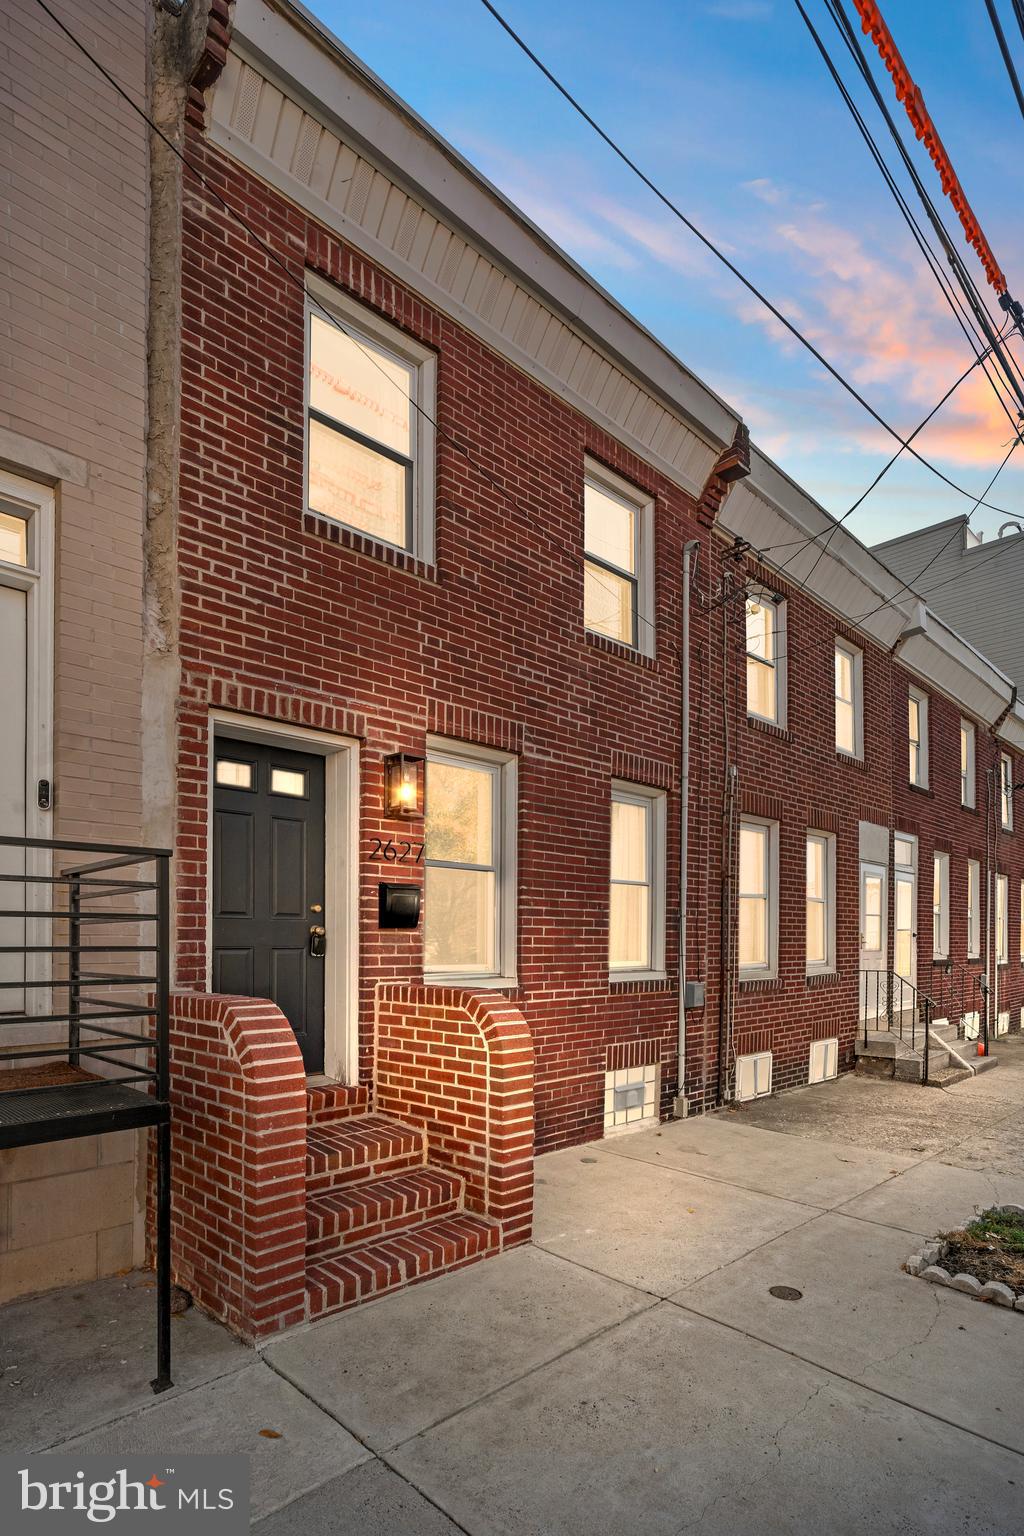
<point>269,922</point>
<point>872,939</point>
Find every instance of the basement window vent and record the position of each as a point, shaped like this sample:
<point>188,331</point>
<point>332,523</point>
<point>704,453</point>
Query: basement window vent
<point>1003,1023</point>
<point>824,1060</point>
<point>754,1076</point>
<point>972,1025</point>
<point>630,1098</point>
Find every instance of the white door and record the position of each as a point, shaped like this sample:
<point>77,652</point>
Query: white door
<point>872,939</point>
<point>905,928</point>
<point>13,800</point>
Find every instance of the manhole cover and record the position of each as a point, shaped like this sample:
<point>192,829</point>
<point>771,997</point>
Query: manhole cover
<point>785,1293</point>
<point>588,1159</point>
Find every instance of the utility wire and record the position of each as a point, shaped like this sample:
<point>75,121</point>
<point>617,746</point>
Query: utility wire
<point>720,255</point>
<point>1011,70</point>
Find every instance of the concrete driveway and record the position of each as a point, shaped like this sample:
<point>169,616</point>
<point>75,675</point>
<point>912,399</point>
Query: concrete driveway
<point>630,1370</point>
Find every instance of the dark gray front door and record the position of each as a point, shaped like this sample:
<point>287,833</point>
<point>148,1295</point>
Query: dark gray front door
<point>268,883</point>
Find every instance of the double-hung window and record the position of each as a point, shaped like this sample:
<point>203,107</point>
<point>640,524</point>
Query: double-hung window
<point>758,898</point>
<point>636,908</point>
<point>940,907</point>
<point>1006,790</point>
<point>973,909</point>
<point>766,657</point>
<point>1002,919</point>
<point>917,729</point>
<point>618,533</point>
<point>470,857</point>
<point>369,433</point>
<point>967,796</point>
<point>849,689</point>
<point>820,903</point>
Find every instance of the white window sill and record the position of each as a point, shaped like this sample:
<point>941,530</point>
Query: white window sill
<point>820,970</point>
<point>757,975</point>
<point>469,982</point>
<point>619,976</point>
<point>850,757</point>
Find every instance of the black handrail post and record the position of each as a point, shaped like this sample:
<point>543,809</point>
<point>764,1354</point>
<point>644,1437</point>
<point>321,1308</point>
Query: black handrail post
<point>163,1131</point>
<point>74,969</point>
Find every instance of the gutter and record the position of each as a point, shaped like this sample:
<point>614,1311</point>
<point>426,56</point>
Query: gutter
<point>689,550</point>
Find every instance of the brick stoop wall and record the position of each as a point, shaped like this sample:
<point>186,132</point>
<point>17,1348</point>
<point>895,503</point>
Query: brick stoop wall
<point>291,1201</point>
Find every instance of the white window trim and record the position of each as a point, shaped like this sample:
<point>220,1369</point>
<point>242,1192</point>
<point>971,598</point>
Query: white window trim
<point>857,658</point>
<point>657,801</point>
<point>974,910</point>
<point>644,505</point>
<point>940,916</point>
<point>921,782</point>
<point>358,318</point>
<point>779,666</point>
<point>770,970</point>
<point>968,791</point>
<point>760,1064</point>
<point>827,1054</point>
<point>1006,791</point>
<point>828,965</point>
<point>506,885</point>
<point>1002,949</point>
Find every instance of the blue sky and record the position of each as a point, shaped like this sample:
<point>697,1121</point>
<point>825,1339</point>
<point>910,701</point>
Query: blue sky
<point>727,105</point>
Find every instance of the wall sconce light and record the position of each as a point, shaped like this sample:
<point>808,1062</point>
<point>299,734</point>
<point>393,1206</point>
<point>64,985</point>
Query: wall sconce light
<point>403,786</point>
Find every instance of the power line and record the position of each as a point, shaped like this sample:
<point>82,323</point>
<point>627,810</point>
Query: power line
<point>720,255</point>
<point>997,28</point>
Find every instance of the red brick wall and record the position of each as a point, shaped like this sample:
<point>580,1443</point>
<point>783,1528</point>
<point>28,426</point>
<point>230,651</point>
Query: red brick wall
<point>461,1066</point>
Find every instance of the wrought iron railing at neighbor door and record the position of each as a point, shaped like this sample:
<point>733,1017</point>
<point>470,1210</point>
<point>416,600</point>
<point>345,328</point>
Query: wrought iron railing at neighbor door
<point>891,1004</point>
<point>84,991</point>
<point>960,996</point>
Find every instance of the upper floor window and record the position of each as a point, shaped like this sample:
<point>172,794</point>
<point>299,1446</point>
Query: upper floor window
<point>918,736</point>
<point>766,657</point>
<point>470,854</point>
<point>618,533</point>
<point>758,898</point>
<point>1002,919</point>
<point>1006,790</point>
<point>636,921</point>
<point>849,671</point>
<point>369,442</point>
<point>967,764</point>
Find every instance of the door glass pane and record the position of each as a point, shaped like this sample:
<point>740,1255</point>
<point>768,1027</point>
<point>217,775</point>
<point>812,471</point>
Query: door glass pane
<point>360,384</point>
<point>609,528</point>
<point>629,935</point>
<point>459,920</point>
<point>13,539</point>
<point>234,775</point>
<point>629,841</point>
<point>753,931</point>
<point>459,822</point>
<point>355,485</point>
<point>760,688</point>
<point>872,941</point>
<point>283,781</point>
<point>608,603</point>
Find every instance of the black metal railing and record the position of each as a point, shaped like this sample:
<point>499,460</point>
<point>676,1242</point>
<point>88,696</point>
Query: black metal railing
<point>84,998</point>
<point>960,994</point>
<point>890,1004</point>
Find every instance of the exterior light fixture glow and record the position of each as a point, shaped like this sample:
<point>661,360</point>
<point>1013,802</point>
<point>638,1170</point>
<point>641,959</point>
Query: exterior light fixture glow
<point>403,786</point>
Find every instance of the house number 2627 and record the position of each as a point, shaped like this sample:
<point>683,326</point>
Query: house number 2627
<point>396,853</point>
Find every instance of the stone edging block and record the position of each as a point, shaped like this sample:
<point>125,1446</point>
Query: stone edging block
<point>926,1265</point>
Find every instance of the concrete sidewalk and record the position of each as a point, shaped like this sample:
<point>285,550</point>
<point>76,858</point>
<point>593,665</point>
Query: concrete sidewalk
<point>630,1370</point>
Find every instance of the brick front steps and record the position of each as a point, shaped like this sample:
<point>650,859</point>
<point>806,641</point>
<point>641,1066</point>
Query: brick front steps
<point>378,1215</point>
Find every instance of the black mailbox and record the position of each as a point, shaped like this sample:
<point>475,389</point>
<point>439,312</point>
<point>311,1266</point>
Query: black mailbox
<point>398,906</point>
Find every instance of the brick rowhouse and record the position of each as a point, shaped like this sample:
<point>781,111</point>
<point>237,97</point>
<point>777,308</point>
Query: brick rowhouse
<point>293,622</point>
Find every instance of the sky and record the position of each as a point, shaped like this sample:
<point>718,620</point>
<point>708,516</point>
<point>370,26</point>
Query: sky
<point>727,106</point>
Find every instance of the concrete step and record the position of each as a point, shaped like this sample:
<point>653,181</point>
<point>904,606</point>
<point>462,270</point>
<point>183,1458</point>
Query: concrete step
<point>358,1213</point>
<point>327,1102</point>
<point>373,1269</point>
<point>361,1147</point>
<point>947,1076</point>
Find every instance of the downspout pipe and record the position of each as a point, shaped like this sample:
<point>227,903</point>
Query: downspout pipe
<point>689,557</point>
